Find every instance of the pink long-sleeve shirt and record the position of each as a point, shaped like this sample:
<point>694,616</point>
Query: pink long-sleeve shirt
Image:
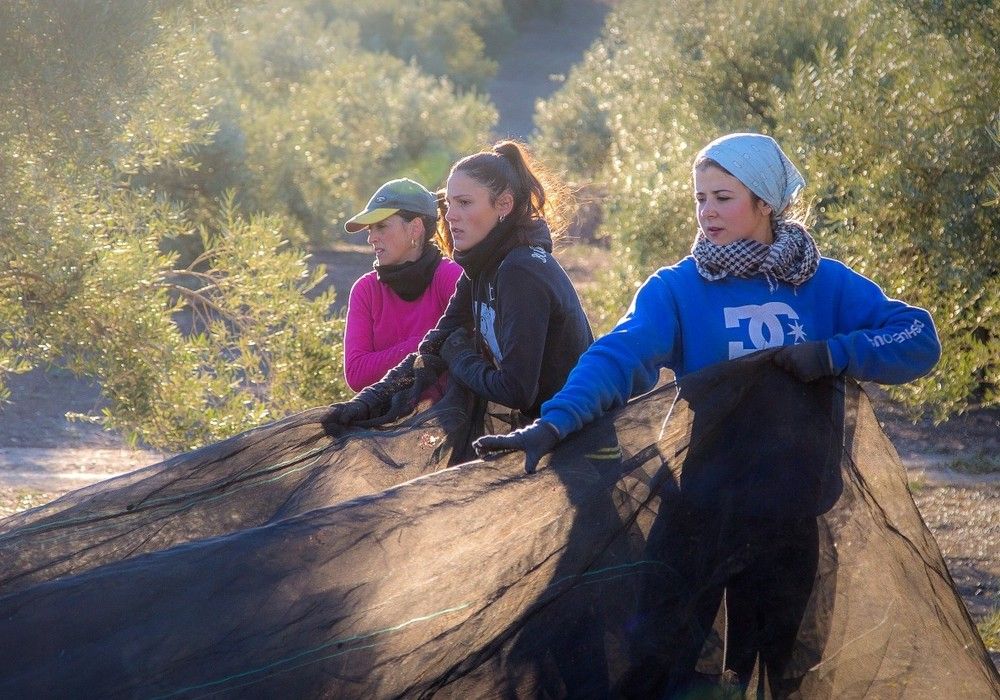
<point>382,328</point>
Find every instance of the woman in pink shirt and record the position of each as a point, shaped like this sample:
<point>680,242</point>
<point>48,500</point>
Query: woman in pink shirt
<point>393,306</point>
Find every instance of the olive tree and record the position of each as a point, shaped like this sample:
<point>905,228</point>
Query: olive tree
<point>887,108</point>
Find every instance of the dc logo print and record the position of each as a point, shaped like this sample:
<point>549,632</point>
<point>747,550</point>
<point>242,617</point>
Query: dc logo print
<point>764,326</point>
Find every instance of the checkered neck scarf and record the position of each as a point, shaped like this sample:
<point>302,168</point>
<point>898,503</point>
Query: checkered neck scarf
<point>792,258</point>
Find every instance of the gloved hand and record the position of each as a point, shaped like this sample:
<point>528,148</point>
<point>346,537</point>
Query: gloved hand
<point>425,372</point>
<point>373,401</point>
<point>456,346</point>
<point>427,368</point>
<point>346,413</point>
<point>806,361</point>
<point>535,440</point>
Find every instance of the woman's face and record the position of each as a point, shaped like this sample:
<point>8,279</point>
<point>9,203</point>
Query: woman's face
<point>396,241</point>
<point>471,215</point>
<point>727,210</point>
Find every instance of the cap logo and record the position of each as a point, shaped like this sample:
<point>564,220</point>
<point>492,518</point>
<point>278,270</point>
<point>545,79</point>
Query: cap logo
<point>381,198</point>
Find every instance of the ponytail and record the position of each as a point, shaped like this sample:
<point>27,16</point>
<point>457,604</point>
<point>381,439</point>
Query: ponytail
<point>528,191</point>
<point>508,166</point>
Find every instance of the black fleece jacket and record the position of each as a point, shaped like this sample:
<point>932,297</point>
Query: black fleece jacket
<point>527,321</point>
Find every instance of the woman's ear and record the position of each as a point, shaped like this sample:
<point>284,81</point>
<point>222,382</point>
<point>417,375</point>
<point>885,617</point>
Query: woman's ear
<point>764,208</point>
<point>415,228</point>
<point>505,203</point>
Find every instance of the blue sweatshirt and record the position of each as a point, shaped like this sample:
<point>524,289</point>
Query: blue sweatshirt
<point>684,322</point>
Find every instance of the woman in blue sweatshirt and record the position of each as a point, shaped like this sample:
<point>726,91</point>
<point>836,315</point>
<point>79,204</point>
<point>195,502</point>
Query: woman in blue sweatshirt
<point>754,280</point>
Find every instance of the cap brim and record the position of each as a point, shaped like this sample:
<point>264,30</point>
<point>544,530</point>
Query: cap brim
<point>366,218</point>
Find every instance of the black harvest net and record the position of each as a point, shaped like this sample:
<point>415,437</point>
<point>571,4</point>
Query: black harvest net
<point>290,561</point>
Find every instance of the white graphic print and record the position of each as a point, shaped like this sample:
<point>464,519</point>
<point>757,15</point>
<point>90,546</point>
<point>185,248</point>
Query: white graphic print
<point>915,329</point>
<point>487,318</point>
<point>798,331</point>
<point>538,253</point>
<point>764,326</point>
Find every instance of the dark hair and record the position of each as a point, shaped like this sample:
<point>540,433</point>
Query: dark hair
<point>705,162</point>
<point>433,232</point>
<point>507,166</point>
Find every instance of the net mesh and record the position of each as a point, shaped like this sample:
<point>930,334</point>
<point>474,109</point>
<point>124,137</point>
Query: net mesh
<point>736,520</point>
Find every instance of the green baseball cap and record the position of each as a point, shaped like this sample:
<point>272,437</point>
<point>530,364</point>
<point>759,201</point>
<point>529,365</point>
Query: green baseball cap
<point>391,197</point>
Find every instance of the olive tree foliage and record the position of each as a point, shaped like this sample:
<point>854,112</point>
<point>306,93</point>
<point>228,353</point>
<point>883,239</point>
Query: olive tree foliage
<point>75,244</point>
<point>904,158</point>
<point>889,109</point>
<point>109,127</point>
<point>459,39</point>
<point>669,75</point>
<point>313,123</point>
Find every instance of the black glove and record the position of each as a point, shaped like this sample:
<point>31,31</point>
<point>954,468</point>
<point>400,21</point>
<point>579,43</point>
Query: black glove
<point>346,413</point>
<point>806,361</point>
<point>536,440</point>
<point>433,340</point>
<point>426,370</point>
<point>379,394</point>
<point>373,401</point>
<point>458,345</point>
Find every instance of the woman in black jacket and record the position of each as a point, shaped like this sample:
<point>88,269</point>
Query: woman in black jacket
<point>515,327</point>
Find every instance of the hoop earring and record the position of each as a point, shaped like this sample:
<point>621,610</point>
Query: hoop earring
<point>413,242</point>
<point>502,217</point>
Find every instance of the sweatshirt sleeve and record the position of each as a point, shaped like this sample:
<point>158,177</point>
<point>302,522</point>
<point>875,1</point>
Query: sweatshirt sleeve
<point>880,339</point>
<point>624,363</point>
<point>524,306</point>
<point>363,364</point>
